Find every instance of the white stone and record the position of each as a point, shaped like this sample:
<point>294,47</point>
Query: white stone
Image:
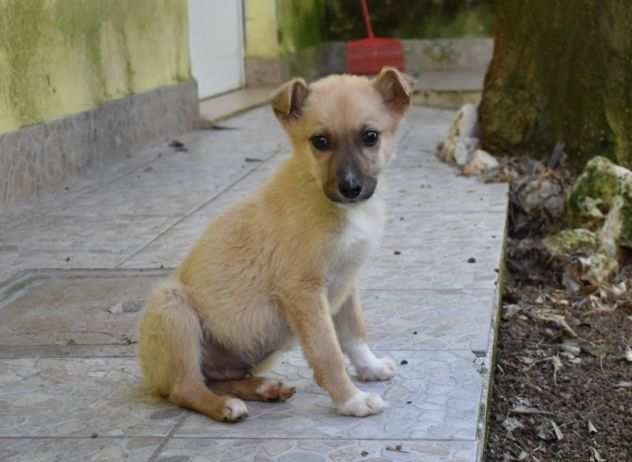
<point>480,162</point>
<point>461,153</point>
<point>462,138</point>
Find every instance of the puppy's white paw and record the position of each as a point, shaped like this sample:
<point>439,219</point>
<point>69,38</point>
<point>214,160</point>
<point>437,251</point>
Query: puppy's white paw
<point>234,410</point>
<point>379,369</point>
<point>362,404</point>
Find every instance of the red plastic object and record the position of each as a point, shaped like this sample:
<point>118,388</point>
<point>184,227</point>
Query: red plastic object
<point>370,55</point>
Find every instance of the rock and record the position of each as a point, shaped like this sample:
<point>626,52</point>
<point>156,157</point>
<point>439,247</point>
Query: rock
<point>584,256</point>
<point>543,192</point>
<point>461,153</point>
<point>462,138</point>
<point>481,161</point>
<point>571,242</point>
<point>511,424</point>
<point>599,205</point>
<point>601,200</point>
<point>537,202</point>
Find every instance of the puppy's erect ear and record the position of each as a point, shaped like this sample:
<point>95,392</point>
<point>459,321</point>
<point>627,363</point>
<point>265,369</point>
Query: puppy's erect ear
<point>288,101</point>
<point>395,90</point>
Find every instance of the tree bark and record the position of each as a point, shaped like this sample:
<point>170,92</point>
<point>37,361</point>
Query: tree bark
<point>561,72</point>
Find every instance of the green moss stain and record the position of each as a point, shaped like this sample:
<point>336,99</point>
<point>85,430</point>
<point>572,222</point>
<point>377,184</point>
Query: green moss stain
<point>68,55</point>
<point>600,190</point>
<point>19,33</point>
<point>299,24</point>
<point>573,242</point>
<point>594,192</point>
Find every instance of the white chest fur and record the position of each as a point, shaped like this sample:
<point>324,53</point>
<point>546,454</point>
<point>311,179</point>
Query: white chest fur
<point>360,235</point>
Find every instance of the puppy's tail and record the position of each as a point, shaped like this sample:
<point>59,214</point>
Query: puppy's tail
<point>169,340</point>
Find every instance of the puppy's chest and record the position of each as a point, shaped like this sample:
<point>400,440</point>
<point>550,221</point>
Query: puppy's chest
<point>359,236</point>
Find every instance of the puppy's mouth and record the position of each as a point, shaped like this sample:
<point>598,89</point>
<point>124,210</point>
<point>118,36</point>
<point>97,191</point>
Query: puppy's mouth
<point>343,194</point>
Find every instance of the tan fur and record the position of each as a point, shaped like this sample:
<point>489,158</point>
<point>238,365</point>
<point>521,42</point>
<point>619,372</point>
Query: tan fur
<point>281,265</point>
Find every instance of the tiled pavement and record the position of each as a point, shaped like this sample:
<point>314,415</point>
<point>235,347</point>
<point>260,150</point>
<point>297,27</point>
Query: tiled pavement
<point>78,265</point>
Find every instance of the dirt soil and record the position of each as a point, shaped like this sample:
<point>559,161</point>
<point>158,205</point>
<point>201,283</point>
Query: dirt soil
<point>562,386</point>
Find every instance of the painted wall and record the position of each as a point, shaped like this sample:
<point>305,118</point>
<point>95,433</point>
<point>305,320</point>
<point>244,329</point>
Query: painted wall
<point>282,27</point>
<point>300,24</point>
<point>261,28</point>
<point>59,57</point>
<point>283,39</point>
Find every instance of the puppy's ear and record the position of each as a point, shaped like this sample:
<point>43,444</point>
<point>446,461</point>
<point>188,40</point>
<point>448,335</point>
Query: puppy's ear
<point>288,101</point>
<point>395,90</point>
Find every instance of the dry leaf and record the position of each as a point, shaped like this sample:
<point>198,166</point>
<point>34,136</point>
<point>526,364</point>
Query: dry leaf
<point>591,427</point>
<point>528,410</point>
<point>511,423</point>
<point>571,347</point>
<point>557,365</point>
<point>623,385</point>
<point>558,433</point>
<point>558,320</point>
<point>617,291</point>
<point>596,456</point>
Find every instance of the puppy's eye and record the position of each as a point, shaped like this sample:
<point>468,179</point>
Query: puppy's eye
<point>369,137</point>
<point>320,142</point>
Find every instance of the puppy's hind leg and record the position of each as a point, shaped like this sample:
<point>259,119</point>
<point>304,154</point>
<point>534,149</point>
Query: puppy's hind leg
<point>255,389</point>
<point>169,349</point>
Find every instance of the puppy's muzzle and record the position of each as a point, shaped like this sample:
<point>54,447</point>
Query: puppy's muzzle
<point>351,187</point>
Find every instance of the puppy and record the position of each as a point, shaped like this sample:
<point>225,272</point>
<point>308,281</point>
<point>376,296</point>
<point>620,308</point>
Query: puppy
<point>283,264</point>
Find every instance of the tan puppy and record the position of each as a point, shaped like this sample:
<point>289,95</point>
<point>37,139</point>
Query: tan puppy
<point>283,264</point>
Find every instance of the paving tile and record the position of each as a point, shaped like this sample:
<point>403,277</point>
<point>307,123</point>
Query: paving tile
<point>79,397</point>
<point>83,313</point>
<point>90,180</point>
<point>74,310</point>
<point>418,225</point>
<point>169,249</point>
<point>282,450</point>
<point>412,278</point>
<point>171,187</point>
<point>449,199</point>
<point>428,319</point>
<point>78,450</point>
<point>77,241</point>
<point>399,266</point>
<point>443,389</point>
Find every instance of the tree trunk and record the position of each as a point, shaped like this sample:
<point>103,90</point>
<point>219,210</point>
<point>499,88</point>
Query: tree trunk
<point>561,72</point>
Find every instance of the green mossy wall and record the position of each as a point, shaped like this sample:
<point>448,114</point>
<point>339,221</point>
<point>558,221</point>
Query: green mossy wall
<point>59,57</point>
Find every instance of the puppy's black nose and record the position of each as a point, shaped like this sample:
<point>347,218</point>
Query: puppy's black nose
<point>350,188</point>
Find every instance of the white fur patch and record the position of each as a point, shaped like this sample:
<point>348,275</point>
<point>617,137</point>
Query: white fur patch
<point>364,225</point>
<point>235,409</point>
<point>367,365</point>
<point>360,236</point>
<point>378,369</point>
<point>362,404</point>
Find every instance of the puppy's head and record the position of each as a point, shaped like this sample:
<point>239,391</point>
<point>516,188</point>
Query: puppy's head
<point>343,126</point>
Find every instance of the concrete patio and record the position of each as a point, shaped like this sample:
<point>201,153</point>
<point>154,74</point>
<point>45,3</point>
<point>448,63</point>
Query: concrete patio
<point>75,268</point>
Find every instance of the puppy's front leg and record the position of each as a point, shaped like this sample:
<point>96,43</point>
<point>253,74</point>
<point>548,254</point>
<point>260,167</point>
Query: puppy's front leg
<point>353,339</point>
<point>310,318</point>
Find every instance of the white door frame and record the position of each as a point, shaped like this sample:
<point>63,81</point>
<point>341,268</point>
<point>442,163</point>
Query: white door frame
<point>209,84</point>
